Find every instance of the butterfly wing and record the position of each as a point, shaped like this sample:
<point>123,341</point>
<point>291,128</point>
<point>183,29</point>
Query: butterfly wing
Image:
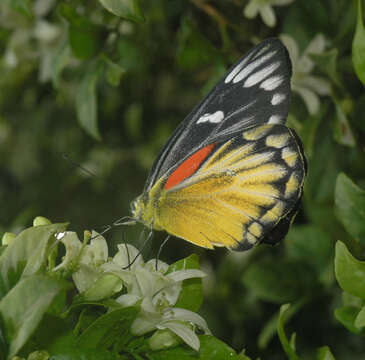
<point>240,190</point>
<point>256,90</point>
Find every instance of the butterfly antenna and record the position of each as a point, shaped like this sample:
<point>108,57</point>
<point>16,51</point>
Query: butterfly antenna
<point>149,237</point>
<point>127,250</point>
<point>160,249</point>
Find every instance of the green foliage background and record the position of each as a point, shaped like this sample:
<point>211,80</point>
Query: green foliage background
<point>107,88</point>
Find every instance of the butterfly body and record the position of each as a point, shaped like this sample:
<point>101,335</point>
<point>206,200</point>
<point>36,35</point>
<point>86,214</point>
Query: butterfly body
<point>232,173</point>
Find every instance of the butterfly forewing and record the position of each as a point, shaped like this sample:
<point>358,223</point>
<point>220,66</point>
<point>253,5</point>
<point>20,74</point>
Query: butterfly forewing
<point>242,189</point>
<point>255,91</point>
<point>232,173</point>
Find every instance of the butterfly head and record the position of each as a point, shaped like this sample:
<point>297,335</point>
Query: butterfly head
<point>137,206</point>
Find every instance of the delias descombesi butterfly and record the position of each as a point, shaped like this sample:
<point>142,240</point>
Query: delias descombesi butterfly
<point>232,173</point>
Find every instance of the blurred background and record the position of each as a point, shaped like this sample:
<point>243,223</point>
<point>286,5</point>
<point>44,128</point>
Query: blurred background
<point>107,83</point>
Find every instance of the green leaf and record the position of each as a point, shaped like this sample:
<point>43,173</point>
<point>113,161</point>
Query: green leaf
<point>127,9</point>
<point>22,6</point>
<point>211,348</point>
<point>327,62</point>
<point>191,295</point>
<point>358,45</point>
<point>86,103</point>
<point>342,130</point>
<point>65,347</point>
<point>360,318</point>
<point>27,254</point>
<point>350,272</point>
<point>278,281</point>
<point>287,346</point>
<point>346,315</point>
<point>324,353</point>
<point>85,38</point>
<point>350,206</point>
<point>113,72</point>
<point>194,49</point>
<point>23,307</point>
<point>309,243</point>
<point>59,61</point>
<point>107,329</point>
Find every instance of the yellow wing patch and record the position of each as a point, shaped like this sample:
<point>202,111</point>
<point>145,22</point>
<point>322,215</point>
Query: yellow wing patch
<point>239,193</point>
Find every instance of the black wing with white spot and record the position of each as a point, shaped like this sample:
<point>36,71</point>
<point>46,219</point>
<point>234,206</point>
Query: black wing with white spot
<point>256,90</point>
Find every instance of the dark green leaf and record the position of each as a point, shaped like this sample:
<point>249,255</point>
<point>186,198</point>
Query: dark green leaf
<point>287,346</point>
<point>127,9</point>
<point>85,37</point>
<point>350,272</point>
<point>210,349</point>
<point>327,62</point>
<point>342,131</point>
<point>191,295</point>
<point>350,206</point>
<point>66,348</point>
<point>27,254</point>
<point>86,103</point>
<point>278,281</point>
<point>23,307</point>
<point>324,353</point>
<point>360,318</point>
<point>346,315</point>
<point>113,72</point>
<point>312,245</point>
<point>107,329</point>
<point>194,49</point>
<point>358,45</point>
<point>22,6</point>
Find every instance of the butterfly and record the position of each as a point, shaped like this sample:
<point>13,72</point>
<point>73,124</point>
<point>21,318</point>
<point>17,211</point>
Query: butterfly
<point>232,173</point>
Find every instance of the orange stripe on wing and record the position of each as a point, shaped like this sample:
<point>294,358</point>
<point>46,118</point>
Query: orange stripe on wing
<point>188,167</point>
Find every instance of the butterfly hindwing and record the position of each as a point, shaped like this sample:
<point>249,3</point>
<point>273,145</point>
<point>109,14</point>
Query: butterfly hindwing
<point>240,190</point>
<point>256,90</point>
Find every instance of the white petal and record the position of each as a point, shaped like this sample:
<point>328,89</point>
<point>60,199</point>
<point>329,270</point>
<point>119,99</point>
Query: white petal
<point>268,15</point>
<point>126,254</point>
<point>317,84</point>
<point>251,9</point>
<point>317,45</point>
<point>85,277</point>
<point>190,316</point>
<point>127,299</point>
<point>310,98</point>
<point>186,274</point>
<point>184,332</point>
<point>292,47</point>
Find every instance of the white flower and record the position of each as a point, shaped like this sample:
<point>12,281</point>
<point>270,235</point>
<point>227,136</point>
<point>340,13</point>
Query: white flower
<point>157,292</point>
<point>306,85</point>
<point>264,8</point>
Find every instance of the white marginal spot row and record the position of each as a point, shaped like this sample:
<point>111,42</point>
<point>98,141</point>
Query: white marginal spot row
<point>275,119</point>
<point>277,99</point>
<point>214,118</point>
<point>272,82</point>
<point>261,74</point>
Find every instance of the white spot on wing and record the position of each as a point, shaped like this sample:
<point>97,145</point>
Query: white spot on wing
<point>252,66</point>
<point>272,83</point>
<point>261,74</point>
<point>237,69</point>
<point>277,99</point>
<point>262,51</point>
<point>275,119</point>
<point>214,118</point>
